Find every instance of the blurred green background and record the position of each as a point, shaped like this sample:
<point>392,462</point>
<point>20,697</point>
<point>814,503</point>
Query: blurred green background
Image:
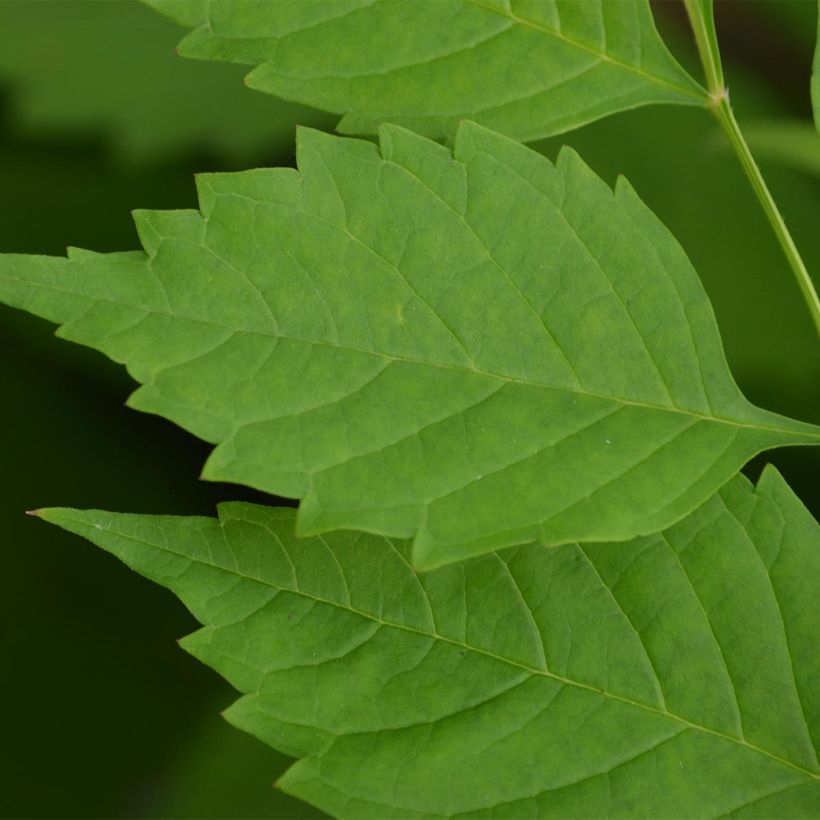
<point>105,716</point>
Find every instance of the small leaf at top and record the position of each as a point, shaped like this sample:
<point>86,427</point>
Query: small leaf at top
<point>477,349</point>
<point>675,675</point>
<point>527,69</point>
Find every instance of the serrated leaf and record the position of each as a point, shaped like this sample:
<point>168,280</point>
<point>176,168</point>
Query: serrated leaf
<point>94,67</point>
<point>675,675</point>
<point>479,349</point>
<point>526,69</point>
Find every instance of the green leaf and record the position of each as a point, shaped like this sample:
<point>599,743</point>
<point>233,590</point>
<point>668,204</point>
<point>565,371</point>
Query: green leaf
<point>479,349</point>
<point>815,77</point>
<point>675,675</point>
<point>93,67</point>
<point>526,69</point>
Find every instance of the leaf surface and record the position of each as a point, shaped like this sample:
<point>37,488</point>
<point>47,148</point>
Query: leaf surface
<point>675,675</point>
<point>527,69</point>
<point>109,68</point>
<point>479,349</point>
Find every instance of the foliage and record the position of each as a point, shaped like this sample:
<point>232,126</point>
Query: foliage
<point>621,665</point>
<point>526,69</point>
<point>704,626</point>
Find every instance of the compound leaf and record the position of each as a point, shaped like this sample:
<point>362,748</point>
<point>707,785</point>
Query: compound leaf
<point>675,675</point>
<point>480,349</point>
<point>110,68</point>
<point>527,69</point>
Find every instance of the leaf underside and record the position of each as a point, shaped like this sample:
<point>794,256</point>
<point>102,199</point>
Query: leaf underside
<point>522,68</point>
<point>674,675</point>
<point>479,349</point>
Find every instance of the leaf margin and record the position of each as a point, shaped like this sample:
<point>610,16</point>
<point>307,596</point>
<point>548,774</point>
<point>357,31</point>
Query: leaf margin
<point>742,500</point>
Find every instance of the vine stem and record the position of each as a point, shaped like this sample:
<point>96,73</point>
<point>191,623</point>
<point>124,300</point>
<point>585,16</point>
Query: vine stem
<point>700,17</point>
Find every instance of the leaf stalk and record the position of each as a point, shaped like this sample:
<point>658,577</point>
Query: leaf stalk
<point>701,19</point>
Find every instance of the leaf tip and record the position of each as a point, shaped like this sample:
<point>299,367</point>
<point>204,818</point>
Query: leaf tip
<point>209,473</point>
<point>256,79</point>
<point>306,135</point>
<point>308,516</point>
<point>59,516</point>
<point>467,135</point>
<point>623,187</point>
<point>51,514</point>
<point>769,472</point>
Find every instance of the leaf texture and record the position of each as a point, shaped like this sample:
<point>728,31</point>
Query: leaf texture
<point>527,69</point>
<point>109,68</point>
<point>479,349</point>
<point>675,675</point>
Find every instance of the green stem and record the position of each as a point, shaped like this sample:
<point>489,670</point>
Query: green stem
<point>725,116</point>
<point>700,16</point>
<point>703,26</point>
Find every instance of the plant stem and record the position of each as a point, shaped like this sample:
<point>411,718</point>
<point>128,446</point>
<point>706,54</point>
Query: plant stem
<point>700,17</point>
<point>725,116</point>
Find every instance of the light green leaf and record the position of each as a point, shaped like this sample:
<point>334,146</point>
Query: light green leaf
<point>479,349</point>
<point>526,69</point>
<point>675,675</point>
<point>109,68</point>
<point>218,773</point>
<point>815,77</point>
